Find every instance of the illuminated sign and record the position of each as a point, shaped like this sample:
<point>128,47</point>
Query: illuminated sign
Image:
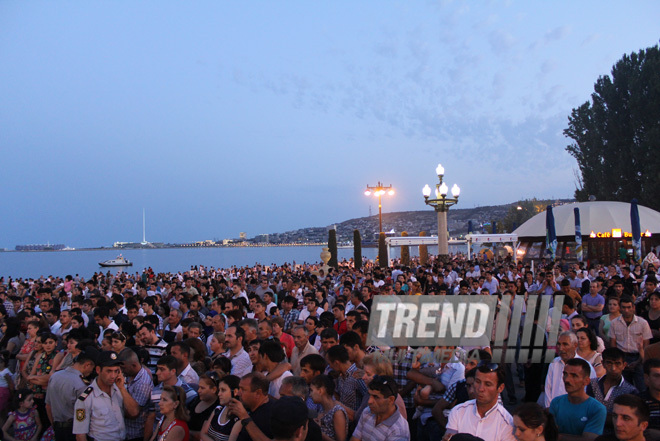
<point>615,233</point>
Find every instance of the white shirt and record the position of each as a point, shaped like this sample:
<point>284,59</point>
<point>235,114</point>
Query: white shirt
<point>554,381</point>
<point>269,306</point>
<point>630,338</point>
<point>188,375</point>
<point>112,326</point>
<point>576,283</point>
<point>496,425</point>
<point>305,313</point>
<point>240,363</point>
<point>475,273</point>
<point>493,286</point>
<point>274,388</point>
<point>55,328</point>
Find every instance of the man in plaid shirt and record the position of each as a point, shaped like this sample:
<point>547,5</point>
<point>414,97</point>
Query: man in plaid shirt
<point>351,390</point>
<point>402,363</point>
<point>289,312</point>
<point>139,384</point>
<point>9,306</point>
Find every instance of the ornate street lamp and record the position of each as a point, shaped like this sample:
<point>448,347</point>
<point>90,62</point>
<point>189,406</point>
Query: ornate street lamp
<point>379,190</point>
<point>441,204</point>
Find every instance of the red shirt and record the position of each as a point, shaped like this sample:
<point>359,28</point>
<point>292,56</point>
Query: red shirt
<point>162,429</point>
<point>340,327</point>
<point>287,341</point>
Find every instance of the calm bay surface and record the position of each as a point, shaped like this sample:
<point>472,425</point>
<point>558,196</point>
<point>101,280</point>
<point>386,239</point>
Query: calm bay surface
<point>35,264</point>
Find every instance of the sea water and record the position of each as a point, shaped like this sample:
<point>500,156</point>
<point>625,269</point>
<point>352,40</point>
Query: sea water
<point>34,264</point>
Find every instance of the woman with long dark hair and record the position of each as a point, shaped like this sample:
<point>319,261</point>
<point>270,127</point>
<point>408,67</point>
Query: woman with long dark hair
<point>652,315</point>
<point>334,418</point>
<point>29,343</point>
<point>606,319</point>
<point>12,340</point>
<point>531,422</point>
<point>26,370</point>
<point>203,406</point>
<point>587,349</point>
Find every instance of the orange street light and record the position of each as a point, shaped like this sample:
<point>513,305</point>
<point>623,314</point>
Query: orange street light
<point>379,190</point>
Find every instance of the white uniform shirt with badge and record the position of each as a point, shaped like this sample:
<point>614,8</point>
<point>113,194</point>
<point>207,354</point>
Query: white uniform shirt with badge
<point>496,425</point>
<point>99,414</point>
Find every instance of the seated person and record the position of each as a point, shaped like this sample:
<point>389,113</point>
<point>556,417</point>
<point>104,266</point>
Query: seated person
<point>578,416</point>
<point>485,416</point>
<point>611,385</point>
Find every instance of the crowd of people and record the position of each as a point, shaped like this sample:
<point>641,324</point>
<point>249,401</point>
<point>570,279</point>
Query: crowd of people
<point>282,352</point>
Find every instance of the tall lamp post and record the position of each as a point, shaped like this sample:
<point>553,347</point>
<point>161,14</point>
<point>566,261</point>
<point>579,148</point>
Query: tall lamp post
<point>441,204</point>
<point>379,190</point>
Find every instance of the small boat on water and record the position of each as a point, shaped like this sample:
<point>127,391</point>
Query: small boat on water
<point>119,261</point>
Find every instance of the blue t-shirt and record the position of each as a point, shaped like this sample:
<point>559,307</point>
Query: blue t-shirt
<point>575,419</point>
<point>593,301</point>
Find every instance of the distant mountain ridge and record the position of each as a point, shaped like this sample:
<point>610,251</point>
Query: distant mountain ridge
<point>412,222</point>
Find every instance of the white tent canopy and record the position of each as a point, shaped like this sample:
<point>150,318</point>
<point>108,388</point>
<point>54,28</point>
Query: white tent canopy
<point>414,241</point>
<point>598,216</point>
<point>511,238</point>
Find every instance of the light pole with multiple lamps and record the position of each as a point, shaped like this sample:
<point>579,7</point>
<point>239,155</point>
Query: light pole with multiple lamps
<point>441,204</point>
<point>379,190</point>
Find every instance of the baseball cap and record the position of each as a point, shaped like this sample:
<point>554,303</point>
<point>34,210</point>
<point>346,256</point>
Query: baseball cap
<point>89,353</point>
<point>108,359</point>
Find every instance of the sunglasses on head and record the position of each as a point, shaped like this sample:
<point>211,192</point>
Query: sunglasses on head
<point>387,381</point>
<point>213,375</point>
<point>487,366</point>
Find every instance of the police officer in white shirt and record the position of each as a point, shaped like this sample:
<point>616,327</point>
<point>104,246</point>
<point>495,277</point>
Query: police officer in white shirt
<point>100,409</point>
<point>485,416</point>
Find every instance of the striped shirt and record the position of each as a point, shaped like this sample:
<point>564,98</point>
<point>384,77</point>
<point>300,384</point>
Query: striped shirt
<point>155,353</point>
<point>240,363</point>
<point>654,408</point>
<point>394,428</point>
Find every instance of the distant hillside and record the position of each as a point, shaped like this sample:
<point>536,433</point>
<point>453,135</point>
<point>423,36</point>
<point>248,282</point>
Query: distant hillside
<point>411,221</point>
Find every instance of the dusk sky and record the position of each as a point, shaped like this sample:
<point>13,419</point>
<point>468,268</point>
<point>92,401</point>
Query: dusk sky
<point>221,117</point>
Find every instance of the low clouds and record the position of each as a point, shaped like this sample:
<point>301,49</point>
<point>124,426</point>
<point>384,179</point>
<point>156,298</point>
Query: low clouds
<point>467,91</point>
<point>590,39</point>
<point>501,41</point>
<point>552,36</point>
<point>556,34</point>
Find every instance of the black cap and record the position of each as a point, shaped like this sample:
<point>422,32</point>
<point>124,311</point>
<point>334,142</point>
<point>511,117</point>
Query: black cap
<point>89,353</point>
<point>108,359</point>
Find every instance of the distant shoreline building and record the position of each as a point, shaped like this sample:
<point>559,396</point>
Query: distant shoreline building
<point>40,247</point>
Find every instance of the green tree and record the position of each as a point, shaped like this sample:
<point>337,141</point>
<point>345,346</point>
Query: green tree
<point>518,213</point>
<point>332,247</point>
<point>616,134</point>
<point>405,251</point>
<point>383,261</point>
<point>423,251</point>
<point>357,249</point>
